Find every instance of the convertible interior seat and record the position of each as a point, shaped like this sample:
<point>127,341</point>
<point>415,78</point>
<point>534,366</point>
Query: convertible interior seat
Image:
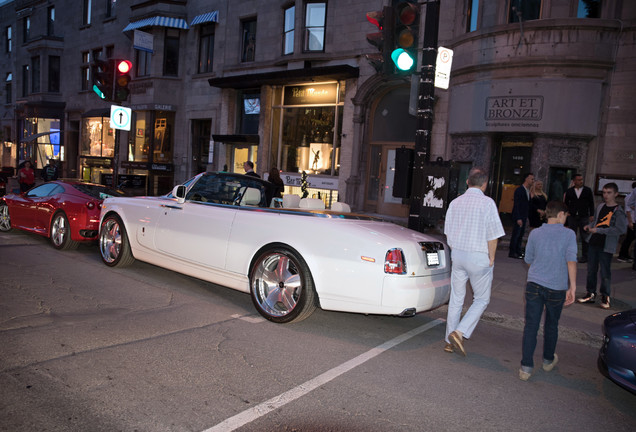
<point>341,207</point>
<point>311,204</point>
<point>291,201</point>
<point>251,197</point>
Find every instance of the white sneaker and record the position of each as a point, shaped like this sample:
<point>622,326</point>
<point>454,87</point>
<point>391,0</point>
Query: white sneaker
<point>549,366</point>
<point>523,375</point>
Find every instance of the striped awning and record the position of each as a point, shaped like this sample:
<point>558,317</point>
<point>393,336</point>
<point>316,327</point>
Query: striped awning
<point>158,21</point>
<point>205,18</point>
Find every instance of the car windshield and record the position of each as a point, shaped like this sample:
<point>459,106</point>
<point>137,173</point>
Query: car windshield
<point>230,190</point>
<point>98,191</point>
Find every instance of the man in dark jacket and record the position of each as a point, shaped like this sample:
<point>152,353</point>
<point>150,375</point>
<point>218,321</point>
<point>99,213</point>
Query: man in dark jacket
<point>580,202</point>
<point>520,211</point>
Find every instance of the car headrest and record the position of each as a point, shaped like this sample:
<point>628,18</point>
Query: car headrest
<point>291,201</point>
<point>341,207</point>
<point>251,197</point>
<point>312,204</point>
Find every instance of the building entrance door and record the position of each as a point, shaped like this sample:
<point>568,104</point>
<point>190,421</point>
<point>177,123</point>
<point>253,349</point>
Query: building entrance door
<point>391,128</point>
<point>513,161</point>
<point>380,197</point>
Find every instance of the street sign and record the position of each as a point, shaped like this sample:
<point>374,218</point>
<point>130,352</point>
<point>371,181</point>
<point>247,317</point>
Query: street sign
<point>443,67</point>
<point>120,117</point>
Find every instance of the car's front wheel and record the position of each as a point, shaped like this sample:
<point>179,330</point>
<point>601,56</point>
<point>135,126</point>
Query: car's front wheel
<point>113,243</point>
<point>60,233</point>
<point>281,286</point>
<point>5,220</point>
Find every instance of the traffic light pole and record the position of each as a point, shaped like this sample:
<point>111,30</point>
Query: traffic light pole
<point>424,121</point>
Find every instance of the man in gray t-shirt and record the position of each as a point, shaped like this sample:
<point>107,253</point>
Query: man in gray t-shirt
<point>551,253</point>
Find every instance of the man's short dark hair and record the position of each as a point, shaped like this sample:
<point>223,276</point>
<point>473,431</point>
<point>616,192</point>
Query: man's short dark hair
<point>611,185</point>
<point>477,177</point>
<point>633,185</point>
<point>576,175</point>
<point>553,208</point>
<point>250,163</point>
<point>525,176</point>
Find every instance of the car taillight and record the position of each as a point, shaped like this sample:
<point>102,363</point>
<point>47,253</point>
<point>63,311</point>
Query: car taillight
<point>394,262</point>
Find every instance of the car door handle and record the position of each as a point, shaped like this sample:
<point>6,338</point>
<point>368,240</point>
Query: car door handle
<point>171,206</point>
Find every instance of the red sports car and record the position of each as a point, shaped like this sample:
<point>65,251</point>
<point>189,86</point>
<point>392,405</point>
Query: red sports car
<point>65,211</point>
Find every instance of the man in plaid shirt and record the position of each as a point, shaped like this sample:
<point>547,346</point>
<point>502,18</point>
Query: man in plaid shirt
<point>472,229</point>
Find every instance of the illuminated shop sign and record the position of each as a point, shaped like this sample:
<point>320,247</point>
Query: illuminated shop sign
<point>311,94</point>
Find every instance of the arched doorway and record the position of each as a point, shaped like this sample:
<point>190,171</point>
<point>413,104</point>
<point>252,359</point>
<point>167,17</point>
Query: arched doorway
<point>390,127</point>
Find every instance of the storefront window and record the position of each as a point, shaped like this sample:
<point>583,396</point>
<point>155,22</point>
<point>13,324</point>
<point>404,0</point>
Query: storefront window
<point>139,147</point>
<point>41,141</point>
<point>98,139</point>
<point>306,130</point>
<point>164,124</point>
<point>309,139</point>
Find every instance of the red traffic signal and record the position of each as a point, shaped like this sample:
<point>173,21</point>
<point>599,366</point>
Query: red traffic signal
<point>382,39</point>
<point>122,79</point>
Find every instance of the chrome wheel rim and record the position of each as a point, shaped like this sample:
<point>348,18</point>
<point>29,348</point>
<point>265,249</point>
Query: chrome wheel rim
<point>277,284</point>
<point>5,220</point>
<point>110,241</point>
<point>59,230</point>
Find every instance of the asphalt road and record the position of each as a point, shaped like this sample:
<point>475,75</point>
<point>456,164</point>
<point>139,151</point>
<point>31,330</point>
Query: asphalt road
<point>89,348</point>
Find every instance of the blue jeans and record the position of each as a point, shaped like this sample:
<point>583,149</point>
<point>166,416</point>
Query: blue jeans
<point>537,298</point>
<point>597,258</point>
<point>517,237</point>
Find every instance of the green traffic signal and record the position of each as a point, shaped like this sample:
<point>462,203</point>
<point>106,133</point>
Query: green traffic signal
<point>402,59</point>
<point>98,91</point>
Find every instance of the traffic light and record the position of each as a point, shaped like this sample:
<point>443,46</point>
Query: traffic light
<point>122,78</point>
<point>405,36</point>
<point>102,78</point>
<point>381,39</point>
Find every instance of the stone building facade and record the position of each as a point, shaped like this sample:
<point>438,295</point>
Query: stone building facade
<point>536,85</point>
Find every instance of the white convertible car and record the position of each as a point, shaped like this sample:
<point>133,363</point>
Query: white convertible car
<point>226,229</point>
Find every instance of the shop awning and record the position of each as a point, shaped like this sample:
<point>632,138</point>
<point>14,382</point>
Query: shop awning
<point>293,76</point>
<point>234,139</point>
<point>99,112</point>
<point>205,18</point>
<point>158,21</point>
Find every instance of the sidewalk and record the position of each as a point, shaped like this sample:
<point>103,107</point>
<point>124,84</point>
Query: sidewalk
<point>579,323</point>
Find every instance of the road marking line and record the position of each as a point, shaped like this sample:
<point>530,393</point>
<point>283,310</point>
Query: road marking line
<point>249,319</point>
<point>276,402</point>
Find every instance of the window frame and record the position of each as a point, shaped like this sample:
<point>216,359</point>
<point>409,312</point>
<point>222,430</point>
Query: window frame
<point>245,39</point>
<point>8,88</point>
<point>288,38</point>
<point>169,44</point>
<point>472,15</point>
<point>206,48</point>
<point>50,20</point>
<point>36,74</point>
<point>26,29</point>
<point>514,17</point>
<point>87,12</point>
<point>54,73</point>
<point>308,30</point>
<point>143,63</point>
<point>8,45</point>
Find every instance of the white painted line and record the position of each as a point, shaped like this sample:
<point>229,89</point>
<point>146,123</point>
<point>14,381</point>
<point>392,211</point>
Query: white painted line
<point>276,402</point>
<point>249,319</point>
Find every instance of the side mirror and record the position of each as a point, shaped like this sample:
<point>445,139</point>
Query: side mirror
<point>179,192</point>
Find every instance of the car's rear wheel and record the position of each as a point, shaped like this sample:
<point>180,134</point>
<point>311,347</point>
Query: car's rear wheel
<point>60,233</point>
<point>281,286</point>
<point>114,246</point>
<point>5,220</point>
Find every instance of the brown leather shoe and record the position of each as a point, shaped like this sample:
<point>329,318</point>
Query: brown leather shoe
<point>448,348</point>
<point>458,342</point>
